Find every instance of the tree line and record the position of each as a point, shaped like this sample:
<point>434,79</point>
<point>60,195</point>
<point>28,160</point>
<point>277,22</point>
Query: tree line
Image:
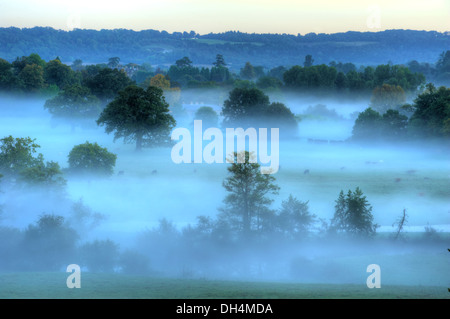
<point>246,223</point>
<point>31,74</point>
<point>269,50</point>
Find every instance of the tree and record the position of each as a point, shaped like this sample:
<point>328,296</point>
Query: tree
<point>20,63</point>
<point>247,203</point>
<point>17,161</point>
<point>160,81</point>
<point>244,105</point>
<point>83,219</point>
<point>341,81</point>
<point>393,125</point>
<point>267,82</point>
<point>431,113</point>
<point>401,222</point>
<point>184,62</point>
<point>50,243</point>
<point>77,65</point>
<point>294,218</point>
<point>308,61</point>
<point>47,174</point>
<point>17,154</point>
<point>105,83</point>
<point>367,126</point>
<point>139,115</point>
<point>443,67</point>
<point>75,101</point>
<point>248,72</point>
<point>353,215</point>
<point>7,79</point>
<point>59,74</point>
<point>91,158</point>
<point>251,107</point>
<point>277,72</point>
<point>208,116</point>
<point>220,61</point>
<point>278,115</point>
<point>387,97</point>
<point>32,77</point>
<point>218,74</point>
<point>113,62</point>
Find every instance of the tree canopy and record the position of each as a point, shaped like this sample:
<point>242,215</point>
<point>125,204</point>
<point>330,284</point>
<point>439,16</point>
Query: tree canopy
<point>431,116</point>
<point>140,116</point>
<point>91,158</point>
<point>74,101</point>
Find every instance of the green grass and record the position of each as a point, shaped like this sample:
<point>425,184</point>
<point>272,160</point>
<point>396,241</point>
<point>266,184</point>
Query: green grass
<point>42,285</point>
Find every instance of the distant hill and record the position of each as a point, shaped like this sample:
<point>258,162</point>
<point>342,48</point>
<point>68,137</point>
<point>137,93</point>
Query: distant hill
<point>268,50</point>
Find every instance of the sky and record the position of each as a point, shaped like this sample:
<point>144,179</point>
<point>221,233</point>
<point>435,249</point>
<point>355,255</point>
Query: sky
<point>252,16</point>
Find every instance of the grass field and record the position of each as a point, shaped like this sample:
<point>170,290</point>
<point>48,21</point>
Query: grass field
<point>104,286</point>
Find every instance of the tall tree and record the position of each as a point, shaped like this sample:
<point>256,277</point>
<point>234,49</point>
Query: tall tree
<point>248,72</point>
<point>140,116</point>
<point>294,218</point>
<point>247,204</point>
<point>308,61</point>
<point>113,62</point>
<point>220,61</point>
<point>353,215</point>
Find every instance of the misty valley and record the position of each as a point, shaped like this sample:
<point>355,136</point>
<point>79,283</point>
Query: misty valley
<point>108,167</point>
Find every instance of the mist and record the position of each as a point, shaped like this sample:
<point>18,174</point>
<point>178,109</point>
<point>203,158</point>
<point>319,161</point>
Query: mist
<point>150,204</point>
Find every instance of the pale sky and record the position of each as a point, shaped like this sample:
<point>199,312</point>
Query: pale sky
<point>204,16</point>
